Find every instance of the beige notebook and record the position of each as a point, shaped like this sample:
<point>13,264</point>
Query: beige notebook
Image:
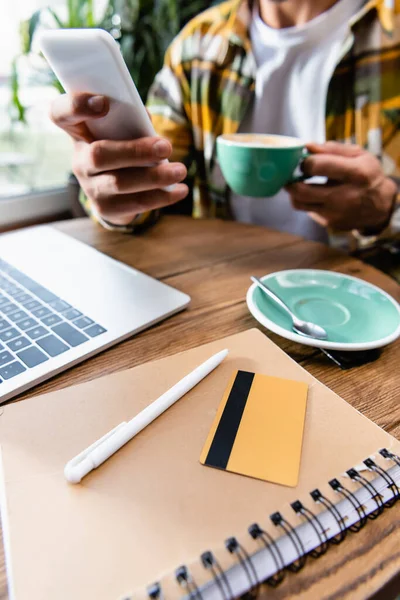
<point>153,507</point>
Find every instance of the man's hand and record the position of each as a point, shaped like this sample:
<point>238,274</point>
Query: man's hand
<point>357,195</point>
<point>115,175</point>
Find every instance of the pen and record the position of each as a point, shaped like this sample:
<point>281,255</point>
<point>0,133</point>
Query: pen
<point>106,446</point>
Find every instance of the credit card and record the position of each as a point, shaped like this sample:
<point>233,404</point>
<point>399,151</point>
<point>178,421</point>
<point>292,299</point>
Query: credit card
<point>258,428</point>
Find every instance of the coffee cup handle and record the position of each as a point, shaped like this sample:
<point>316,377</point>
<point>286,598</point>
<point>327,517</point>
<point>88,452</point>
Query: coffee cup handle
<point>303,177</point>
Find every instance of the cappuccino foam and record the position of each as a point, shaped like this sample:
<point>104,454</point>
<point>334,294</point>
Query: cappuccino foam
<point>260,139</point>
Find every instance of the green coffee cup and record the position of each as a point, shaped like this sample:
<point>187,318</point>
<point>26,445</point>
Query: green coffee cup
<point>255,164</point>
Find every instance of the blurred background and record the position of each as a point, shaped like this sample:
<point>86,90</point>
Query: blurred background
<point>35,157</point>
<point>36,184</point>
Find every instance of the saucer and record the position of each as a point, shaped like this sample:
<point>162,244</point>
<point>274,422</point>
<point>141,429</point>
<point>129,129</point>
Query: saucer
<point>355,314</point>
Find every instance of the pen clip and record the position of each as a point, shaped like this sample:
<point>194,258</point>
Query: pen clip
<point>71,468</point>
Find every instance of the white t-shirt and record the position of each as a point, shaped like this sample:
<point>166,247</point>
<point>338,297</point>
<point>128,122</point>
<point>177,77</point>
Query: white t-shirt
<point>294,67</point>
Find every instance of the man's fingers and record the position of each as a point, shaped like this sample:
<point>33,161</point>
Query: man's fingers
<point>71,111</point>
<point>106,155</point>
<point>335,148</point>
<point>329,202</point>
<point>309,194</point>
<point>130,181</point>
<point>317,208</point>
<point>118,208</point>
<point>339,168</point>
<point>323,221</point>
<point>305,203</point>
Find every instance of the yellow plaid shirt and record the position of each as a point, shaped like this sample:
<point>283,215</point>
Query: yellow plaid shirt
<point>208,81</point>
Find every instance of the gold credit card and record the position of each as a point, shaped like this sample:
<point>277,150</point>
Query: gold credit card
<point>258,428</point>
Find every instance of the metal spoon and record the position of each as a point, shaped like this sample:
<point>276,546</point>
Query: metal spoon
<point>302,327</point>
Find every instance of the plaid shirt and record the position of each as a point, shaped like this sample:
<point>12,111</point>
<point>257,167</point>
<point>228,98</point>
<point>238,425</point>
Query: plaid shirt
<point>208,81</point>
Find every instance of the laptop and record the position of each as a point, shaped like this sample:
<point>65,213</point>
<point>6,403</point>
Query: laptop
<point>62,301</point>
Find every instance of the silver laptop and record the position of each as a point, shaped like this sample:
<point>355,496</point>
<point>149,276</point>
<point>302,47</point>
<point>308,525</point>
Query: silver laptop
<point>62,301</point>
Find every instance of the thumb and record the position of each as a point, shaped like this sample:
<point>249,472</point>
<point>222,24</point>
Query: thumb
<point>350,150</point>
<point>71,111</point>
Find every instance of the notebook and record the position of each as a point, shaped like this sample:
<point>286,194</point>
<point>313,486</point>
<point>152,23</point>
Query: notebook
<point>152,521</point>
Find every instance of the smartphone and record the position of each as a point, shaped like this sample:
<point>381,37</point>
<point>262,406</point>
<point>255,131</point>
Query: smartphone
<point>348,360</point>
<point>90,60</point>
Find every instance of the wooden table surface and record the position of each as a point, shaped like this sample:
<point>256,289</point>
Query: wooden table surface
<point>212,261</point>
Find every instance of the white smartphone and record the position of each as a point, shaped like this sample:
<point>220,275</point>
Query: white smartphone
<point>89,60</point>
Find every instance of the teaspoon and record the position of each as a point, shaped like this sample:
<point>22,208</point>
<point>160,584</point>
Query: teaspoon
<point>301,327</point>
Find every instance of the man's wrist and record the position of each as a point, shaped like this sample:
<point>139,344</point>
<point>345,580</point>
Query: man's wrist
<point>125,227</point>
<point>378,229</point>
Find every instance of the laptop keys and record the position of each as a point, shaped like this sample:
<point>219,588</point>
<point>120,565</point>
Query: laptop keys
<point>60,305</point>
<point>69,334</point>
<point>8,287</point>
<point>32,356</point>
<point>83,322</point>
<point>14,291</point>
<point>19,343</point>
<point>41,312</point>
<point>21,300</point>
<point>9,334</point>
<point>52,345</point>
<point>51,320</point>
<point>72,314</point>
<point>18,315</point>
<point>95,330</point>
<point>35,287</point>
<point>32,304</point>
<point>11,370</point>
<point>44,294</point>
<point>4,324</point>
<point>27,324</point>
<point>36,332</point>
<point>9,308</point>
<point>24,280</point>
<point>12,272</point>
<point>5,357</point>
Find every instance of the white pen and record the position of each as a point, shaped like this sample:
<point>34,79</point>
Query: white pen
<point>112,441</point>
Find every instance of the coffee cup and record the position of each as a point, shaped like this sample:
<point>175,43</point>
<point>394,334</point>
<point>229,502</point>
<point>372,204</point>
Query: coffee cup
<point>259,165</point>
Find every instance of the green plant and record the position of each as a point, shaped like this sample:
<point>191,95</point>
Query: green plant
<point>143,28</point>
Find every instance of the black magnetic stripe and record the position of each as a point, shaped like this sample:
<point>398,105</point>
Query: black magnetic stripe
<point>224,438</point>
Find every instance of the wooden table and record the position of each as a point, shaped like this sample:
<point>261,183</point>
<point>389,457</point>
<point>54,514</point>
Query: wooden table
<point>212,261</point>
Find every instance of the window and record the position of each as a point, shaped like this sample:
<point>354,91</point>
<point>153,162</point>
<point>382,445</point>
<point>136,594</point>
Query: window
<point>35,156</point>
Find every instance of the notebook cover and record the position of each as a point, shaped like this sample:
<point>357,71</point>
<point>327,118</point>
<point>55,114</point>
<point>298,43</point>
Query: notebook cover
<point>152,506</point>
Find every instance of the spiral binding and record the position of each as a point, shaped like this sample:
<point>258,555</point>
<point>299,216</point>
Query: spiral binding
<point>154,591</point>
<point>233,546</point>
<point>258,534</point>
<point>386,454</point>
<point>244,559</point>
<point>392,485</point>
<point>290,531</point>
<point>186,581</point>
<point>210,562</point>
<point>313,520</point>
<point>356,476</point>
<point>319,498</point>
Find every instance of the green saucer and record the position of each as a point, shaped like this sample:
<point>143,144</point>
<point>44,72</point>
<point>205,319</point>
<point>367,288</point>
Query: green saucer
<point>355,314</point>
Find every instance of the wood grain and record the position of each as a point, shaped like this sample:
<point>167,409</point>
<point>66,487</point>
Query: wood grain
<point>212,261</point>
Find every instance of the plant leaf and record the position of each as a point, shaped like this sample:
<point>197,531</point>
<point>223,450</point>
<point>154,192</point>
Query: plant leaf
<point>27,30</point>
<point>57,19</point>
<point>15,100</point>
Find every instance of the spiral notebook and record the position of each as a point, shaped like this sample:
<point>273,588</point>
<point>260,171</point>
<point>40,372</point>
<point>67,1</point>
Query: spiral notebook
<point>152,521</point>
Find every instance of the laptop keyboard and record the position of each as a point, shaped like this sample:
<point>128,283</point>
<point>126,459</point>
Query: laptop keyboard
<point>35,324</point>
